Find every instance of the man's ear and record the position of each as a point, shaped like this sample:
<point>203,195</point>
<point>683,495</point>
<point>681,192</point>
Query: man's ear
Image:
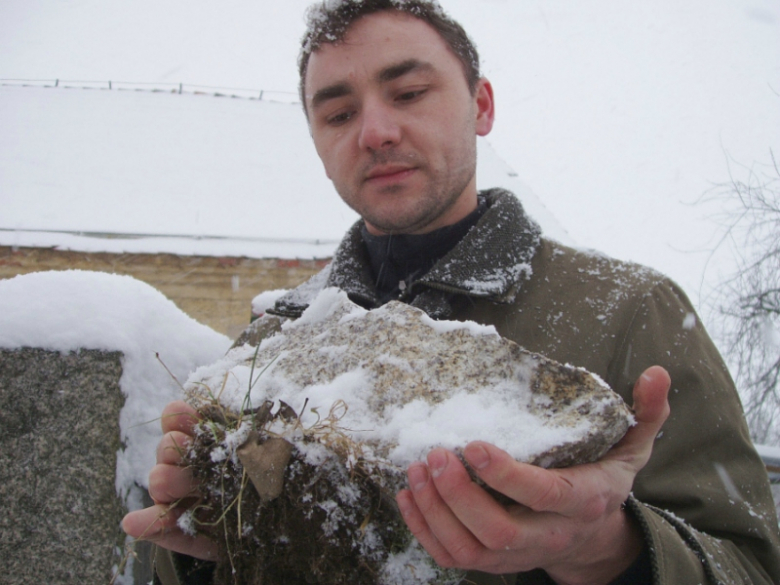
<point>486,111</point>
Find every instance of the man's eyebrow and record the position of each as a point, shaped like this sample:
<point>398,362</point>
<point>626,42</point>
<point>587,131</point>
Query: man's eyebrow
<point>385,75</point>
<point>400,69</point>
<point>330,92</point>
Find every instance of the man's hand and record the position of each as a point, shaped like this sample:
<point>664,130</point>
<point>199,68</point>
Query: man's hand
<point>172,488</point>
<point>569,522</point>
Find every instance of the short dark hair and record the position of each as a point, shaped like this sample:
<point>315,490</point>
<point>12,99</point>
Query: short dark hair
<point>328,22</point>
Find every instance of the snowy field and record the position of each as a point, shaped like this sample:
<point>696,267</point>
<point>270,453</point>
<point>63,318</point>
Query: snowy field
<point>617,115</point>
<point>192,174</point>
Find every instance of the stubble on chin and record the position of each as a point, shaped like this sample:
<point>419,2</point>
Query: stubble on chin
<point>393,209</point>
<point>401,213</point>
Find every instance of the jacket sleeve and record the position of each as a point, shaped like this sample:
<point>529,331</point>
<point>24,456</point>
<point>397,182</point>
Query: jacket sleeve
<point>176,569</point>
<point>703,501</point>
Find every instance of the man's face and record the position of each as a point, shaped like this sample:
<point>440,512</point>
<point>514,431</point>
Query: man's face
<point>395,124</point>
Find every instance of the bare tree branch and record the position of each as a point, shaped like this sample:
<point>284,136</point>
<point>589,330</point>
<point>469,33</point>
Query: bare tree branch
<point>749,300</point>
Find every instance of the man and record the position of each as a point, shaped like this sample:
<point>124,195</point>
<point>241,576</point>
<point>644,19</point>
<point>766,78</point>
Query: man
<point>394,100</point>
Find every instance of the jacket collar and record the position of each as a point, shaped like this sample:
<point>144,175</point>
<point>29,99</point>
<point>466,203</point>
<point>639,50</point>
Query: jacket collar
<point>490,263</point>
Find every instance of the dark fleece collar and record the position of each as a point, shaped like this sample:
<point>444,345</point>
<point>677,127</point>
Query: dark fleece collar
<point>489,262</point>
<point>399,260</point>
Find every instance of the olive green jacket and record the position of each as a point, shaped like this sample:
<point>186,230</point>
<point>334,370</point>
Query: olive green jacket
<point>703,501</point>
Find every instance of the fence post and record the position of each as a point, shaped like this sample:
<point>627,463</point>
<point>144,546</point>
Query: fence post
<point>197,89</point>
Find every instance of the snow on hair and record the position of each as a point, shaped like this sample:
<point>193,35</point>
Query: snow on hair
<point>327,22</point>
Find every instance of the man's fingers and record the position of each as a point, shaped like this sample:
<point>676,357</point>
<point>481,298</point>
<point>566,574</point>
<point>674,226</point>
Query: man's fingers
<point>651,407</point>
<point>441,520</point>
<point>467,522</point>
<point>650,396</point>
<point>151,523</point>
<point>461,525</point>
<point>158,524</point>
<point>542,490</point>
<point>418,526</point>
<point>179,416</point>
<point>172,448</point>
<point>170,483</point>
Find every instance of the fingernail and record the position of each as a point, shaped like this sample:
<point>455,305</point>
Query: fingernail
<point>477,456</point>
<point>418,476</point>
<point>437,461</point>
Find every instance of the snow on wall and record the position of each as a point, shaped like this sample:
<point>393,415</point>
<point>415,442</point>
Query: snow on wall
<point>69,310</point>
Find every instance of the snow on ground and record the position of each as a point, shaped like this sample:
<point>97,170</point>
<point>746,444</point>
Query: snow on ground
<point>122,162</point>
<point>69,310</point>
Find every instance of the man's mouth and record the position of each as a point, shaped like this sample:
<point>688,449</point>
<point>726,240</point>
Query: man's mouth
<point>389,173</point>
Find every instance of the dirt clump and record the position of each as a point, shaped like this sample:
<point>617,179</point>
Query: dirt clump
<point>335,520</point>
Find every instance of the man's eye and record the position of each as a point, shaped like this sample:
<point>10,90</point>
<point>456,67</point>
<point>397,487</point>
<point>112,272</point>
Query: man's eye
<point>340,118</point>
<point>408,96</point>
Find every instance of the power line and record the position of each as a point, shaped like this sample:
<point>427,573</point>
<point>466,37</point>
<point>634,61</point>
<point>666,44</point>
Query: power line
<point>157,87</point>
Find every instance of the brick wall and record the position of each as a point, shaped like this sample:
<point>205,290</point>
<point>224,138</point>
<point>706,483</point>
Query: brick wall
<point>215,291</point>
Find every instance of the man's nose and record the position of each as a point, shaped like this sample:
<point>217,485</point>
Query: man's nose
<point>379,128</point>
